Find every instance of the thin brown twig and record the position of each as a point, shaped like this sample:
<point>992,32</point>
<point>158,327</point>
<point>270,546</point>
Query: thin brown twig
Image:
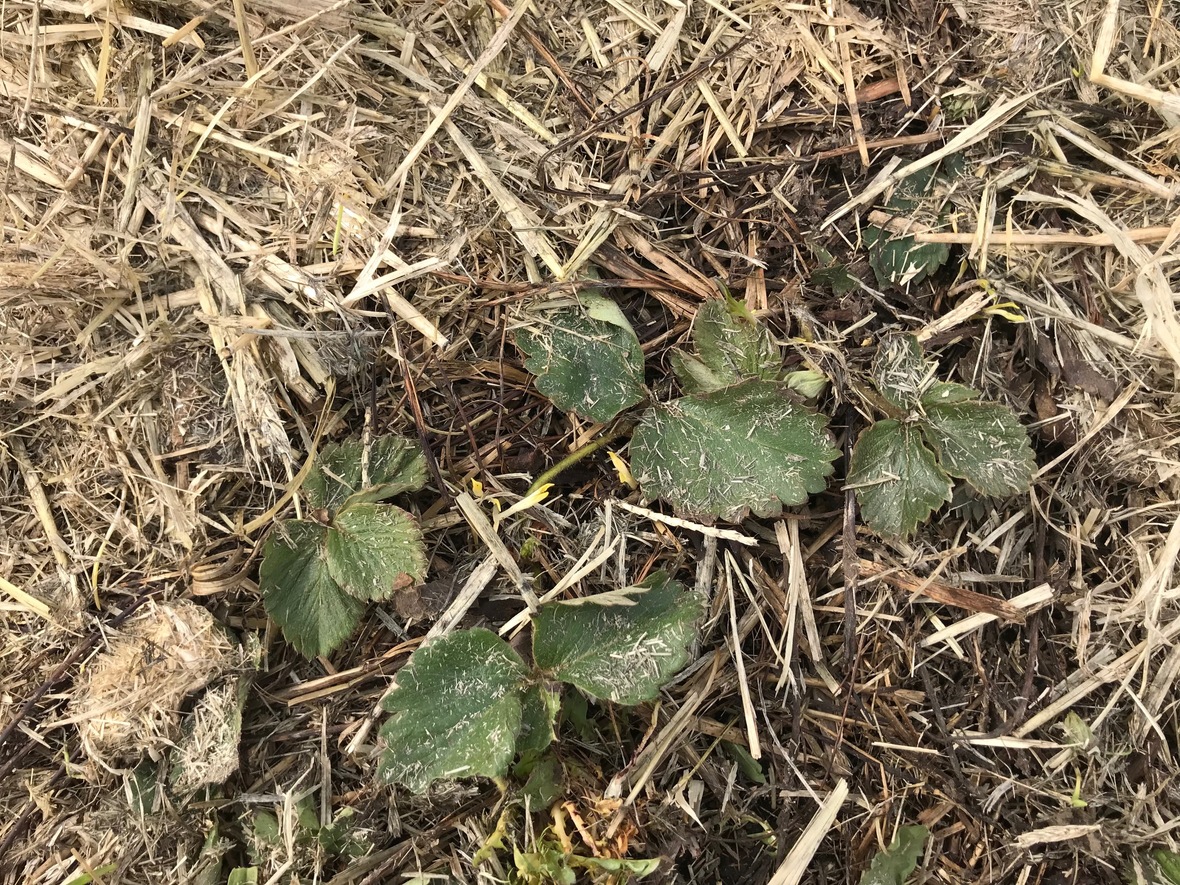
<point>416,409</point>
<point>542,50</point>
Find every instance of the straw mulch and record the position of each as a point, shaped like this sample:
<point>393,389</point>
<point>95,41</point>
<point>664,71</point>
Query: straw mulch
<point>231,229</point>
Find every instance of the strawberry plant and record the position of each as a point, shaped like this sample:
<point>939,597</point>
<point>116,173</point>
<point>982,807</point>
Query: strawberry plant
<point>898,259</point>
<point>740,440</point>
<point>902,466</point>
<point>317,574</point>
<point>467,703</point>
<point>895,864</point>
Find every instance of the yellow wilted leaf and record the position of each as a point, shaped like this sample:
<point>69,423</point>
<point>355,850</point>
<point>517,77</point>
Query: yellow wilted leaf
<point>530,500</point>
<point>621,468</point>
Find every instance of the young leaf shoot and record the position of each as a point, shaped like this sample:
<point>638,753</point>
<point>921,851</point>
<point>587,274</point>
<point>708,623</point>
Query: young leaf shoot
<point>894,865</point>
<point>315,578</point>
<point>395,465</point>
<point>902,467</point>
<point>899,259</point>
<point>731,346</point>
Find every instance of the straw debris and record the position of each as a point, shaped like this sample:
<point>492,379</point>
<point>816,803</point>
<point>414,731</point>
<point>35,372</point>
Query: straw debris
<point>234,233</point>
<point>129,702</point>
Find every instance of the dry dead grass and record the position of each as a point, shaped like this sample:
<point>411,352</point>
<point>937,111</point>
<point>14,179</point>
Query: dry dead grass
<point>229,229</point>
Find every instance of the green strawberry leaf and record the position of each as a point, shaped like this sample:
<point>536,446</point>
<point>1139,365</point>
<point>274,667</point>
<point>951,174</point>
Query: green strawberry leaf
<point>832,274</point>
<point>620,652</point>
<point>897,480</point>
<point>342,837</point>
<point>546,864</point>
<point>374,550</point>
<point>544,783</point>
<point>1169,864</point>
<point>983,443</point>
<point>837,277</point>
<point>748,765</point>
<point>901,261</point>
<point>722,454</point>
<point>456,711</point>
<point>639,867</point>
<point>894,865</point>
<point>536,730</point>
<point>299,594</point>
<point>587,358</point>
<point>900,371</point>
<point>942,392</point>
<point>395,465</point>
<point>732,345</point>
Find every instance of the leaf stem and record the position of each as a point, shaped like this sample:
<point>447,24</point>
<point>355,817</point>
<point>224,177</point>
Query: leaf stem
<point>877,401</point>
<point>620,429</point>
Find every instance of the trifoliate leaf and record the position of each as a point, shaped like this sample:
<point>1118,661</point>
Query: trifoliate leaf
<point>732,345</point>
<point>142,785</point>
<point>897,480</point>
<point>374,550</point>
<point>299,594</point>
<point>622,653</point>
<point>982,443</point>
<point>900,371</point>
<point>266,829</point>
<point>456,711</point>
<point>749,447</point>
<point>894,865</point>
<point>536,723</point>
<point>307,819</point>
<point>395,465</point>
<point>583,362</point>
